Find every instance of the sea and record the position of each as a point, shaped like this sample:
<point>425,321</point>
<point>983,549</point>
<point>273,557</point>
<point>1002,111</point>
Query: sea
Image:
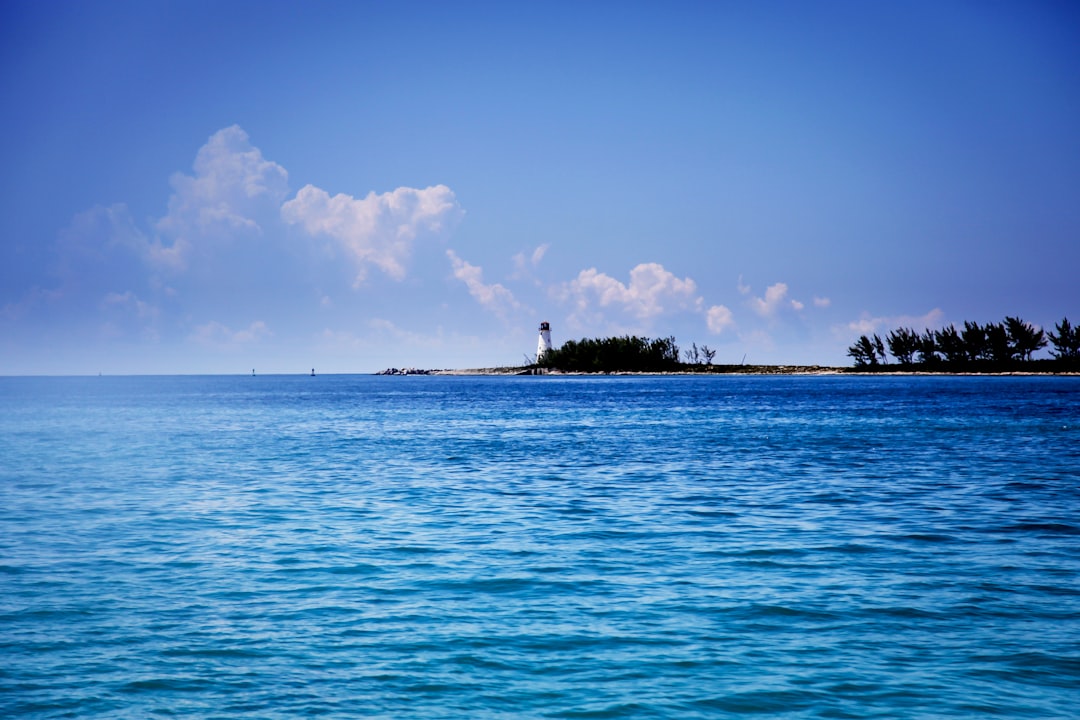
<point>352,546</point>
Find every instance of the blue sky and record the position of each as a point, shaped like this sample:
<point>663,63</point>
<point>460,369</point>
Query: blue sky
<point>194,187</point>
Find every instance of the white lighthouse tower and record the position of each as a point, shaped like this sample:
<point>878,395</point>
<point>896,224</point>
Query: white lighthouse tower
<point>543,345</point>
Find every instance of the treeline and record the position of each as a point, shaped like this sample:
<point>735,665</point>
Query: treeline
<point>994,347</point>
<point>614,354</point>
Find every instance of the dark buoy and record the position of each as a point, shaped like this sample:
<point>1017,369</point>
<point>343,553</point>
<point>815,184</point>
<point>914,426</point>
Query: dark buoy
<point>252,372</point>
<point>312,372</point>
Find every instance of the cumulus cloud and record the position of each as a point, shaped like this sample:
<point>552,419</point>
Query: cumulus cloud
<point>235,196</point>
<point>768,305</point>
<point>868,325</point>
<point>652,290</point>
<point>822,302</point>
<point>377,230</point>
<point>719,318</point>
<point>234,191</point>
<point>775,299</point>
<point>493,297</point>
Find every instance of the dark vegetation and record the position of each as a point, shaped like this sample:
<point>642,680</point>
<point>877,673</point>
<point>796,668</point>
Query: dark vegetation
<point>637,354</point>
<point>995,347</point>
<point>614,354</point>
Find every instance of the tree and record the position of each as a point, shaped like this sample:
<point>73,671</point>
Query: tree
<point>879,348</point>
<point>865,351</point>
<point>1024,338</point>
<point>998,347</point>
<point>1066,342</point>
<point>692,355</point>
<point>951,345</point>
<point>928,348</point>
<point>708,354</point>
<point>903,344</point>
<point>615,354</point>
<point>974,337</point>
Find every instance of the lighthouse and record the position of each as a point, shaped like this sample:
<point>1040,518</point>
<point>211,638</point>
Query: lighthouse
<point>543,345</point>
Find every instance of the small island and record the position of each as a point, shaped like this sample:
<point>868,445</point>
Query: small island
<point>995,348</point>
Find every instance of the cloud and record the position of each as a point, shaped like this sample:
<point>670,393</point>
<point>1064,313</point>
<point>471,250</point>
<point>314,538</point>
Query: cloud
<point>822,302</point>
<point>768,305</point>
<point>523,262</point>
<point>218,335</point>
<point>652,290</point>
<point>719,318</point>
<point>775,298</point>
<point>494,297</point>
<point>127,314</point>
<point>101,239</point>
<point>743,289</point>
<point>868,325</point>
<point>131,302</point>
<point>234,191</point>
<point>538,254</point>
<point>375,230</point>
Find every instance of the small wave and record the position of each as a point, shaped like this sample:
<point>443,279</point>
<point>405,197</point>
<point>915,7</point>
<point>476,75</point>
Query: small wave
<point>1047,528</point>
<point>934,538</point>
<point>762,701</point>
<point>152,685</point>
<point>618,710</point>
<point>852,549</point>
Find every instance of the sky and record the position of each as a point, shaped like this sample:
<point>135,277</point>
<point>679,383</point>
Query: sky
<point>221,187</point>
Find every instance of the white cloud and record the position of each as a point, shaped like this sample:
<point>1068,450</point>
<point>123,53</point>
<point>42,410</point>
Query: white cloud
<point>868,325</point>
<point>538,254</point>
<point>719,318</point>
<point>375,230</point>
<point>216,334</point>
<point>822,302</point>
<point>234,190</point>
<point>494,297</point>
<point>773,300</point>
<point>743,289</point>
<point>652,290</point>
<point>524,263</point>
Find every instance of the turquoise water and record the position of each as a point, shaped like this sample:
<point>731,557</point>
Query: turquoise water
<point>463,547</point>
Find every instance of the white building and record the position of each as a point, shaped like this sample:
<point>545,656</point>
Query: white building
<point>543,345</point>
